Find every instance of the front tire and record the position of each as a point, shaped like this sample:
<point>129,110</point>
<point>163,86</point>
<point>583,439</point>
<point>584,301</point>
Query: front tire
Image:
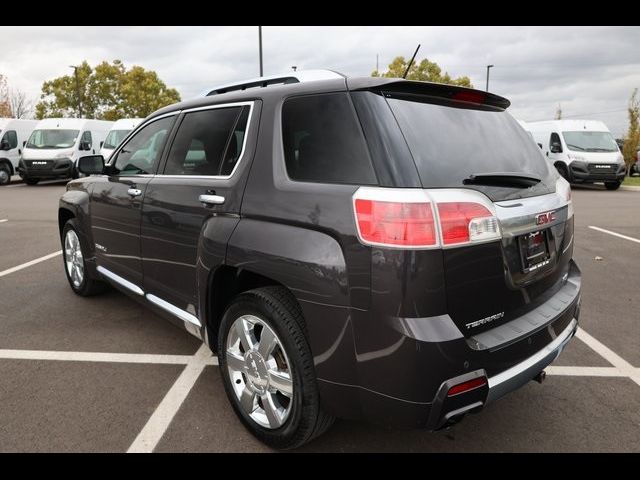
<point>267,368</point>
<point>5,174</point>
<point>612,185</point>
<point>75,267</point>
<point>31,181</point>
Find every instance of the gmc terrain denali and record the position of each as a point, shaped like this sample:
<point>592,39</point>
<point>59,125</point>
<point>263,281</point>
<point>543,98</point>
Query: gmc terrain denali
<point>361,248</point>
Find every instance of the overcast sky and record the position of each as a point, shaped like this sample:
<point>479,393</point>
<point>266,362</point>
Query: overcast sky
<point>589,71</point>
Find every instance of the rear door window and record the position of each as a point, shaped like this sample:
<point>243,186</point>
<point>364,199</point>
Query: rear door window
<point>323,141</point>
<point>208,142</point>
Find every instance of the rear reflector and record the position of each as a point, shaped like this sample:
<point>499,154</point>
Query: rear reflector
<point>396,223</point>
<point>465,221</point>
<point>467,386</point>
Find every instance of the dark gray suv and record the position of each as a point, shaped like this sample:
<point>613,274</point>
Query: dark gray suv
<point>361,248</point>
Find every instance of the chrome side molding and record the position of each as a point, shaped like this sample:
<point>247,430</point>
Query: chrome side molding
<point>121,281</point>
<point>181,314</point>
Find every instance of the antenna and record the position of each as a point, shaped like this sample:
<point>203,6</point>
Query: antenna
<point>411,62</point>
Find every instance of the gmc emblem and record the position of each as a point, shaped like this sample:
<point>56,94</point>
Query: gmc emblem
<point>544,218</point>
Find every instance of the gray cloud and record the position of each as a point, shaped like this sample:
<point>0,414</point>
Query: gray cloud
<point>590,71</point>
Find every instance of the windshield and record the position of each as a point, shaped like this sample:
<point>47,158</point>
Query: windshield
<point>583,141</point>
<point>114,138</point>
<point>450,143</point>
<point>52,139</point>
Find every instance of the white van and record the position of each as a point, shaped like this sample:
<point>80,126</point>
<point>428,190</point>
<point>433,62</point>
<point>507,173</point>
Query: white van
<point>55,145</point>
<point>13,135</point>
<point>583,151</point>
<point>118,132</point>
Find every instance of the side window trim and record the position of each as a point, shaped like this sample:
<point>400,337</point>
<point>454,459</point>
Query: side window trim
<point>163,163</point>
<point>165,149</point>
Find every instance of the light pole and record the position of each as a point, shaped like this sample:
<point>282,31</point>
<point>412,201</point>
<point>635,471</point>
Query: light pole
<point>488,67</point>
<point>260,47</point>
<point>78,102</point>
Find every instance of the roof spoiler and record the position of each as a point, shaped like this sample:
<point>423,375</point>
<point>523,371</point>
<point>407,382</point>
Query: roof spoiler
<point>438,90</point>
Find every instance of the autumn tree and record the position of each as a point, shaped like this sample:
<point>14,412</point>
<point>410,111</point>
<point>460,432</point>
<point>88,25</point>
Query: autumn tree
<point>632,141</point>
<point>5,106</point>
<point>109,92</point>
<point>424,70</point>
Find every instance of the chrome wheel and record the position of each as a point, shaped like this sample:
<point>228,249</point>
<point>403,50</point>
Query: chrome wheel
<point>73,258</point>
<point>259,371</point>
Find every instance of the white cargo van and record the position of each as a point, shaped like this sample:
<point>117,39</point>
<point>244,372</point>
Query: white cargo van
<point>55,145</point>
<point>13,135</point>
<point>118,132</point>
<point>583,151</point>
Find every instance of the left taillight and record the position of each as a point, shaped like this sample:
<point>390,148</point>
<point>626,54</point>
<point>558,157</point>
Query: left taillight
<point>416,218</point>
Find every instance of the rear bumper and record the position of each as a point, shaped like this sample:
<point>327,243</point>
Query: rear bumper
<point>407,384</point>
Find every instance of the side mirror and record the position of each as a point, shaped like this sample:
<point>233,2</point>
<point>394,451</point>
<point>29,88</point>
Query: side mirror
<point>556,147</point>
<point>4,145</point>
<point>85,146</point>
<point>91,164</point>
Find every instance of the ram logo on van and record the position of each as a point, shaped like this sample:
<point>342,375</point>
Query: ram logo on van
<point>544,218</point>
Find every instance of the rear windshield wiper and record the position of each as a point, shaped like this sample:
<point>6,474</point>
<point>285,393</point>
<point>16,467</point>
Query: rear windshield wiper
<point>502,179</point>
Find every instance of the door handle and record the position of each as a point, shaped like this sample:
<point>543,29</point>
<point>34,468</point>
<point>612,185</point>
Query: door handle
<point>207,200</point>
<point>134,192</point>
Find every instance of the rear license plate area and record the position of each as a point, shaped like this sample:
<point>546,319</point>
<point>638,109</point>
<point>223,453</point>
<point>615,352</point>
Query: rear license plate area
<point>534,250</point>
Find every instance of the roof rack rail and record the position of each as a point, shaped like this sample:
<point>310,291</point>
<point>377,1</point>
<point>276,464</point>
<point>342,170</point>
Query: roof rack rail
<point>260,82</point>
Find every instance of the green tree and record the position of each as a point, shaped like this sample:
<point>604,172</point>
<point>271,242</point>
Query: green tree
<point>424,70</point>
<point>109,92</point>
<point>632,141</point>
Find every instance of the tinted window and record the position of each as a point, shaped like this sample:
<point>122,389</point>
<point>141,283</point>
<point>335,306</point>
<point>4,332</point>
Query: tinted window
<point>450,143</point>
<point>11,138</point>
<point>86,138</point>
<point>207,142</point>
<point>323,141</point>
<point>140,155</point>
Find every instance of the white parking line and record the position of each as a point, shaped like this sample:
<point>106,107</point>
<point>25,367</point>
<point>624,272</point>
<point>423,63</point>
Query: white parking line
<point>162,417</point>
<point>64,356</point>
<point>585,371</point>
<point>619,235</point>
<point>28,264</point>
<point>610,356</point>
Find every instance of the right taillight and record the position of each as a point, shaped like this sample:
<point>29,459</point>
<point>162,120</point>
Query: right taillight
<point>406,218</point>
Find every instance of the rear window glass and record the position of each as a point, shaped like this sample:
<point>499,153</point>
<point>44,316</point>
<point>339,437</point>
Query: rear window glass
<point>323,141</point>
<point>449,144</point>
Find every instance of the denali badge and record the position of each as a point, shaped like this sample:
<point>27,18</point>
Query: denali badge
<point>545,218</point>
<point>101,248</point>
<point>488,319</point>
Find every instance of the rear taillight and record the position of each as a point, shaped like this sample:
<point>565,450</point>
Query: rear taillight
<point>467,386</point>
<point>465,221</point>
<point>406,218</point>
<point>396,223</point>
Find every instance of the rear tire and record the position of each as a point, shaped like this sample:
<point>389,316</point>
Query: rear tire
<point>612,185</point>
<point>31,181</point>
<point>75,267</point>
<point>265,359</point>
<point>5,174</point>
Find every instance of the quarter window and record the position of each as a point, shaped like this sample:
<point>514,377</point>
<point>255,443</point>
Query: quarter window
<point>11,138</point>
<point>86,139</point>
<point>323,141</point>
<point>140,155</point>
<point>208,142</point>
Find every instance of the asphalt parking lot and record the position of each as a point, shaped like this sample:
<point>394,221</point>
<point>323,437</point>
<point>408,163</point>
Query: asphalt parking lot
<point>105,374</point>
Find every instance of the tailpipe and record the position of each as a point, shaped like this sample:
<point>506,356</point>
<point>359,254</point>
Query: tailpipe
<point>541,377</point>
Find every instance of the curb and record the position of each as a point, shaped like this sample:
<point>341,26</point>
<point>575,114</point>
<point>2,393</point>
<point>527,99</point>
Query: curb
<point>630,188</point>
